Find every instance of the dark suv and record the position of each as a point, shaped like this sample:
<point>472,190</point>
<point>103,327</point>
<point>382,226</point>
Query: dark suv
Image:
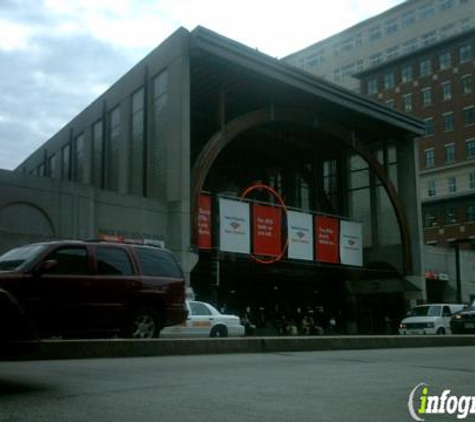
<point>79,289</point>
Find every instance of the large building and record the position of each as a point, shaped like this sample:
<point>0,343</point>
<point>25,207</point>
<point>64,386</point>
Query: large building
<point>418,57</point>
<point>437,85</point>
<point>402,30</point>
<point>170,150</point>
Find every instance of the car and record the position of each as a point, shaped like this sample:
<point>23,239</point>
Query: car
<point>429,319</point>
<point>463,322</point>
<point>204,320</point>
<point>77,289</point>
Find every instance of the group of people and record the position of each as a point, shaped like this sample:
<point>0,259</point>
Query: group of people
<point>308,322</point>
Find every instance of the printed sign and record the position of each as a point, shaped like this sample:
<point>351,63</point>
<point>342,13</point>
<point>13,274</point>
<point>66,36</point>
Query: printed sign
<point>327,238</point>
<point>204,223</point>
<point>300,235</point>
<point>266,230</point>
<point>351,243</point>
<point>234,228</point>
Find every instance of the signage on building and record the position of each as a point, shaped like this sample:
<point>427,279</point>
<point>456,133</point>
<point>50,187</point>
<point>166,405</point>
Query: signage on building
<point>266,230</point>
<point>204,223</point>
<point>327,239</point>
<point>351,243</point>
<point>234,228</point>
<point>300,235</point>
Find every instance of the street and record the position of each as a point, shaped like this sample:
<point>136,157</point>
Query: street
<point>358,385</point>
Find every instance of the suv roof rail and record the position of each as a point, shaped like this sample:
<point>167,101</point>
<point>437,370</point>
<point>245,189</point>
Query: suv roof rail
<point>121,239</point>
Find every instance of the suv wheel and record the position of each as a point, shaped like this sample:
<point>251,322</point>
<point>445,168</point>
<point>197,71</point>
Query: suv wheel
<point>145,324</point>
<point>441,331</point>
<point>219,331</point>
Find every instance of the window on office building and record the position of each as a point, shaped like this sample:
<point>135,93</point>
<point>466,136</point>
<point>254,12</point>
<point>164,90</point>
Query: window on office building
<point>375,33</point>
<point>389,80</point>
<point>446,91</point>
<point>470,148</point>
<point>425,68</point>
<point>446,5</point>
<point>372,86</point>
<point>410,46</point>
<point>137,143</point>
<point>66,162</point>
<point>430,219</point>
<point>465,53</point>
<point>97,154</point>
<point>469,116</point>
<point>392,26</point>
<point>452,183</point>
<point>78,159</point>
<point>431,189</point>
<point>467,84</point>
<point>429,158</point>
<point>53,170</point>
<point>426,11</point>
<point>470,215</point>
<point>450,216</point>
<point>407,103</point>
<point>409,18</point>
<point>376,59</point>
<point>406,73</point>
<point>445,60</point>
<point>428,126</point>
<point>449,153</point>
<point>448,119</point>
<point>112,150</point>
<point>41,170</point>
<point>426,97</point>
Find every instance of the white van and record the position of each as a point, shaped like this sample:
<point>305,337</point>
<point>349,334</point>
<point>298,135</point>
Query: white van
<point>429,319</point>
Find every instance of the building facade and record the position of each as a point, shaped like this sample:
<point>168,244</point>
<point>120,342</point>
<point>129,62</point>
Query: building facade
<point>205,117</point>
<point>408,27</point>
<point>437,85</point>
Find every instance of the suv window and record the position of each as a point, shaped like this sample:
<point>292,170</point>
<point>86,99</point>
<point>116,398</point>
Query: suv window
<point>71,260</point>
<point>114,261</point>
<point>159,263</point>
<point>199,309</point>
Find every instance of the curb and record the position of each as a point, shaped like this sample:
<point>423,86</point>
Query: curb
<point>114,348</point>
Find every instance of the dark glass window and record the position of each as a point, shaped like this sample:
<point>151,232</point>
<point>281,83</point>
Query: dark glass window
<point>113,261</point>
<point>155,262</point>
<point>199,309</point>
<point>71,260</point>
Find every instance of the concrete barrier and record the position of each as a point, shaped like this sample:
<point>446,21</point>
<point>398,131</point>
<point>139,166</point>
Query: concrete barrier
<point>109,348</point>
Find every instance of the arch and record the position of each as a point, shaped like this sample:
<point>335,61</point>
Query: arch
<point>26,218</point>
<point>241,124</point>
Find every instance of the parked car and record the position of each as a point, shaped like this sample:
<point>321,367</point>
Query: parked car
<point>205,320</point>
<point>429,319</point>
<point>80,289</point>
<point>463,322</point>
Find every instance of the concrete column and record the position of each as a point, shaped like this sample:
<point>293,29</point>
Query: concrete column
<point>408,183</point>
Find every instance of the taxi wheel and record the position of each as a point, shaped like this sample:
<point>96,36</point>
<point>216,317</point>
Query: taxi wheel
<point>219,331</point>
<point>145,324</point>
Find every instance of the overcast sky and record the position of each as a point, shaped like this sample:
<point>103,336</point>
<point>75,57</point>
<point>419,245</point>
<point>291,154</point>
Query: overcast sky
<point>57,56</point>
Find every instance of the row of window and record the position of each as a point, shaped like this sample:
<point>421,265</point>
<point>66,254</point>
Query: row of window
<point>449,216</point>
<point>427,97</point>
<point>450,153</point>
<point>69,163</point>
<point>434,187</point>
<point>468,118</point>
<point>410,71</point>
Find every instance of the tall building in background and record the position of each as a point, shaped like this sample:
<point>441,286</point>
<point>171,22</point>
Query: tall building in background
<point>418,57</point>
<point>402,30</point>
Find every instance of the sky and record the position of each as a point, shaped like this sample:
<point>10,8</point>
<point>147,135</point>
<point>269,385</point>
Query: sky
<point>57,56</point>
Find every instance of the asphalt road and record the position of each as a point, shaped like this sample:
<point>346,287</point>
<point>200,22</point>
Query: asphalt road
<point>358,385</point>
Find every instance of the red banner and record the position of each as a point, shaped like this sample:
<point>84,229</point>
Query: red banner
<point>327,239</point>
<point>266,230</point>
<point>204,223</point>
